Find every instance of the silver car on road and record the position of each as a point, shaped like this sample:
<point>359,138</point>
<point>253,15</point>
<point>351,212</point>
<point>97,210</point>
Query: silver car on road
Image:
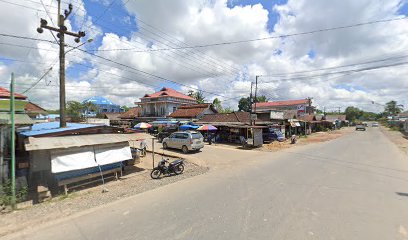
<point>186,141</point>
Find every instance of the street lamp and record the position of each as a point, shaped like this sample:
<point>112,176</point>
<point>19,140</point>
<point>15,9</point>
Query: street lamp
<point>80,45</point>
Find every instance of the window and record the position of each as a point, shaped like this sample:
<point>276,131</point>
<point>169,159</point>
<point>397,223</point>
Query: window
<point>184,136</point>
<point>197,135</point>
<point>174,109</point>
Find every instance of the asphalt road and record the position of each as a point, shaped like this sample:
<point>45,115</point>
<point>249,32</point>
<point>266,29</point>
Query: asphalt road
<point>354,187</point>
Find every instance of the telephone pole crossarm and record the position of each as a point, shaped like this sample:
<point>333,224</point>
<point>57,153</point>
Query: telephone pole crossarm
<point>61,32</point>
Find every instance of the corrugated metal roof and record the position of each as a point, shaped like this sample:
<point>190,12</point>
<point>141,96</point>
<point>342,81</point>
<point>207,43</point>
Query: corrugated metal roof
<point>281,103</point>
<point>45,143</point>
<point>19,119</point>
<point>53,127</point>
<point>98,100</point>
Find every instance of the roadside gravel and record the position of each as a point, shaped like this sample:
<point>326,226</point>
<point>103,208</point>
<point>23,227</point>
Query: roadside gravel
<point>63,206</point>
<point>399,139</point>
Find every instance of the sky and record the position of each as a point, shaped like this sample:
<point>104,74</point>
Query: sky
<point>140,46</point>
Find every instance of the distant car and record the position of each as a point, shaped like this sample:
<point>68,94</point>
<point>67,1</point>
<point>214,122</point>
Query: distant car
<point>165,133</point>
<point>186,141</point>
<point>272,134</point>
<point>360,127</point>
<point>374,125</point>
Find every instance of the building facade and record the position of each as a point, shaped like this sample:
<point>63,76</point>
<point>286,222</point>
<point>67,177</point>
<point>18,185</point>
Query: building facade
<point>102,105</point>
<point>163,102</point>
<point>193,111</point>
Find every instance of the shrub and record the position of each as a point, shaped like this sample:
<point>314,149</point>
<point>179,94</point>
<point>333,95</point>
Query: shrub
<point>5,193</point>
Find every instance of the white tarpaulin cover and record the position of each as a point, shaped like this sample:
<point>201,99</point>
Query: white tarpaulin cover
<point>72,159</point>
<point>84,157</point>
<point>112,153</point>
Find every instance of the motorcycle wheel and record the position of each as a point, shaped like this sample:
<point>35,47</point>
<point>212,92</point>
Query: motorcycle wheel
<point>179,169</point>
<point>155,174</point>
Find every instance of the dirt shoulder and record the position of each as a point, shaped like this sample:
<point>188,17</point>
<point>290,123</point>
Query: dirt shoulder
<point>398,138</point>
<point>135,181</point>
<point>312,138</point>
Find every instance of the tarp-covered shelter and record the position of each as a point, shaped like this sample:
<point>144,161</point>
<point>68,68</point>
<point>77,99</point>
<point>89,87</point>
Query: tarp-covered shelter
<point>54,160</point>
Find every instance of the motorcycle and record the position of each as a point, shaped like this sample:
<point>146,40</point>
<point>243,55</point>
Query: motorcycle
<point>176,167</point>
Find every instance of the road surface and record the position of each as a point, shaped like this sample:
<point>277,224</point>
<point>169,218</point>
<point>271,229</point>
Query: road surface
<point>354,187</point>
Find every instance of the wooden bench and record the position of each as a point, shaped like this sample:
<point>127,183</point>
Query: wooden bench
<point>66,182</point>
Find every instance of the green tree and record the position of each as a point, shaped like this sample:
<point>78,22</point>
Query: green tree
<point>199,96</point>
<point>353,113</point>
<point>244,105</point>
<point>392,108</point>
<point>217,104</point>
<point>261,98</point>
<point>74,110</point>
<point>88,107</point>
<point>125,108</point>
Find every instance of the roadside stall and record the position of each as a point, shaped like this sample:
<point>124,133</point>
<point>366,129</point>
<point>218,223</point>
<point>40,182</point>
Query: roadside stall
<point>66,160</point>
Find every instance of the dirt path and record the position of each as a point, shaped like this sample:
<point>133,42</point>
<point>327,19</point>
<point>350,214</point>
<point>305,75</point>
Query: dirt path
<point>399,139</point>
<point>313,138</point>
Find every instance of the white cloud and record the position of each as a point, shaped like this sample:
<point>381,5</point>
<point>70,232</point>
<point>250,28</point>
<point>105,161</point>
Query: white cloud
<point>227,69</point>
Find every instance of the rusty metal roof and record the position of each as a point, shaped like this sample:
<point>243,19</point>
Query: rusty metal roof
<point>45,143</point>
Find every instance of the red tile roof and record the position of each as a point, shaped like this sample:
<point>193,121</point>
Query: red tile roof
<point>4,93</point>
<point>131,113</point>
<point>34,108</point>
<point>168,92</point>
<point>282,103</point>
<point>191,111</point>
<point>234,117</point>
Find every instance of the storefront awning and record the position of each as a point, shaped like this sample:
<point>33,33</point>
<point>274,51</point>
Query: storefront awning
<point>62,142</point>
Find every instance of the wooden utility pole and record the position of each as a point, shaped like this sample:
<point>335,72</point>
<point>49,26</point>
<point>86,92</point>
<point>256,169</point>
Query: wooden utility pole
<point>255,97</point>
<point>256,89</point>
<point>250,103</point>
<point>61,31</point>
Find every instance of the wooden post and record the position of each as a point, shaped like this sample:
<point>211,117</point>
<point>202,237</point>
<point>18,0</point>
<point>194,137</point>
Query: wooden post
<point>153,150</point>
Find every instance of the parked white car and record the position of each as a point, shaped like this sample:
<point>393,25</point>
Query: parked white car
<point>186,141</point>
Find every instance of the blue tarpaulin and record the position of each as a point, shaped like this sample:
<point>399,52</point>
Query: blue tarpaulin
<point>188,127</point>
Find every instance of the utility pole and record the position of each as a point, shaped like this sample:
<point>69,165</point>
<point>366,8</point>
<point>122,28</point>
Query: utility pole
<point>250,102</point>
<point>13,146</point>
<point>339,109</point>
<point>61,31</point>
<point>256,100</point>
<point>310,105</point>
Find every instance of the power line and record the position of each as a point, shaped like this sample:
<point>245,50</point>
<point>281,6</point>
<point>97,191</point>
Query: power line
<point>150,74</point>
<point>265,38</point>
<point>344,71</point>
<point>26,38</point>
<point>25,46</point>
<point>335,67</point>
<point>45,74</point>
